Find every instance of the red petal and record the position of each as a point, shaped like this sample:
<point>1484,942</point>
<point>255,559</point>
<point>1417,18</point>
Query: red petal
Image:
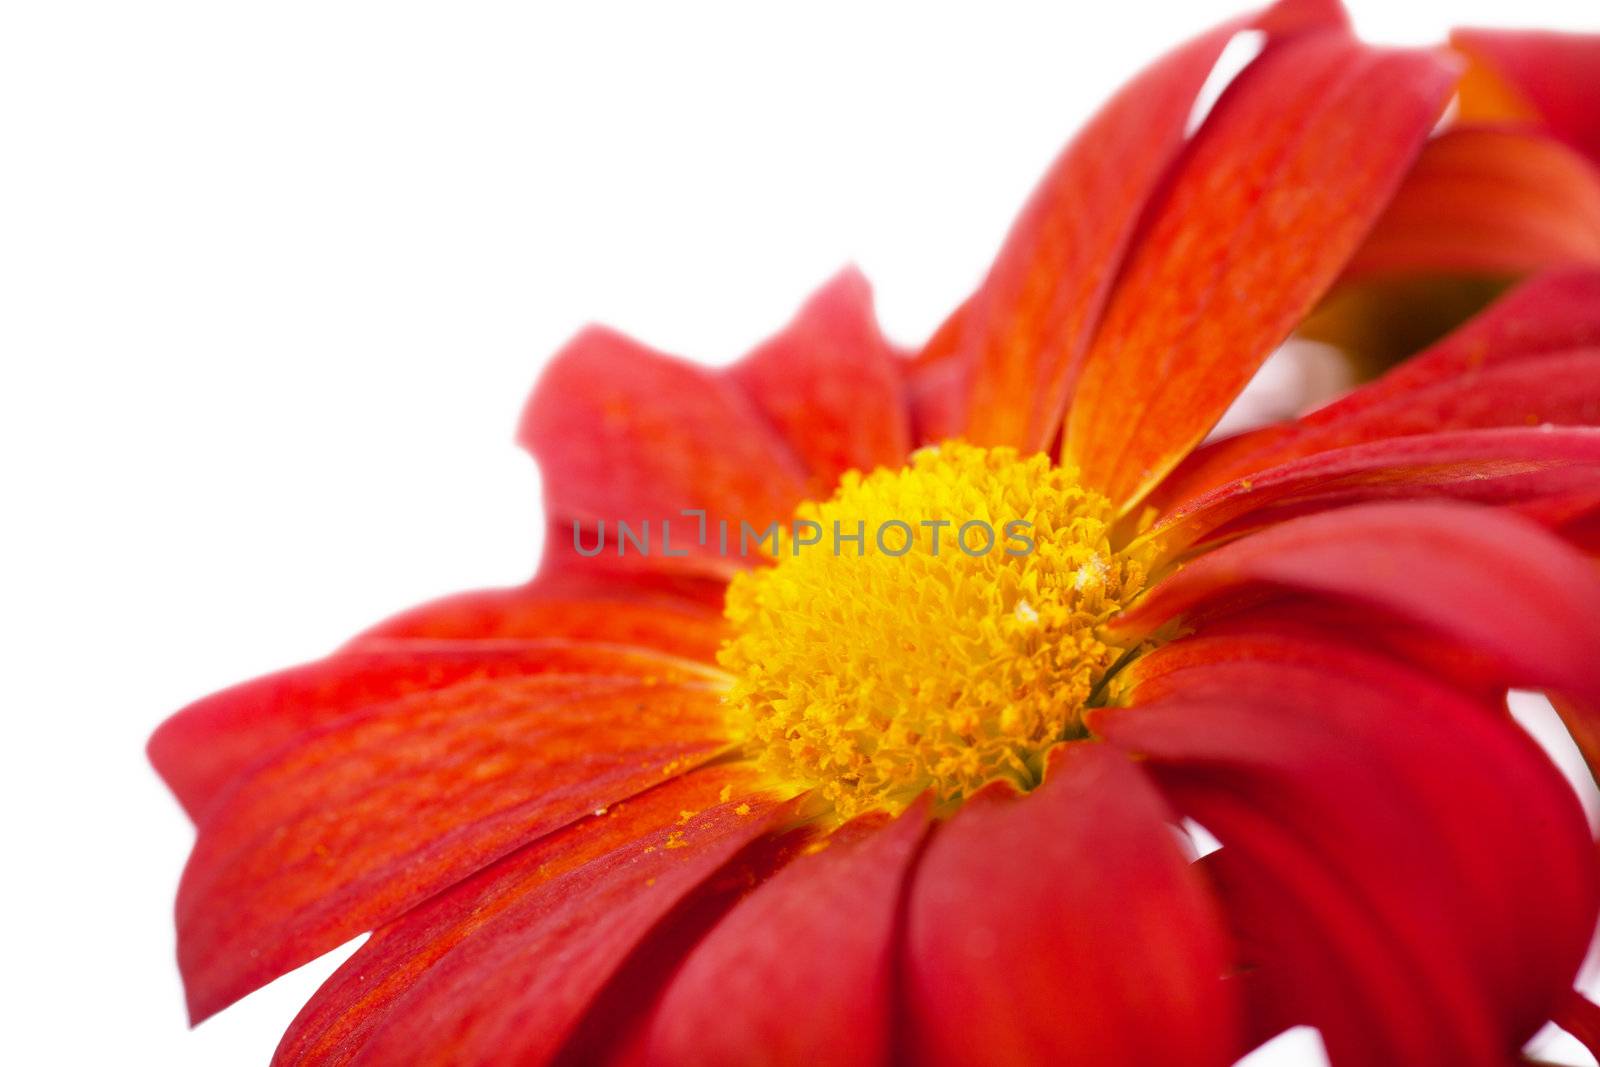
<point>624,434</point>
<point>501,968</point>
<point>830,386</point>
<point>1482,466</point>
<point>1065,927</point>
<point>1487,201</point>
<point>363,818</point>
<point>1274,194</point>
<point>800,972</point>
<point>1558,312</point>
<point>1493,582</point>
<point>202,749</point>
<point>1411,920</point>
<point>1580,1017</point>
<point>1535,74</point>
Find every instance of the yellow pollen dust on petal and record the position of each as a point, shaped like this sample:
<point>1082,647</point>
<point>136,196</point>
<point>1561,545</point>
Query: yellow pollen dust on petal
<point>872,669</point>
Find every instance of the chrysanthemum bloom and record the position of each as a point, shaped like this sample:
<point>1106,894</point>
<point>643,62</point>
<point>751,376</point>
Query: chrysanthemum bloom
<point>903,801</point>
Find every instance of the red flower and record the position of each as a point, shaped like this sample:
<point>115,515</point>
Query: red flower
<point>860,807</point>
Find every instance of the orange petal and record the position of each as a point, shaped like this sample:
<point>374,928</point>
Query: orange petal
<point>1533,74</point>
<point>361,820</point>
<point>1024,333</point>
<point>503,967</point>
<point>1030,320</point>
<point>1272,197</point>
<point>678,615</point>
<point>1487,201</point>
<point>202,750</point>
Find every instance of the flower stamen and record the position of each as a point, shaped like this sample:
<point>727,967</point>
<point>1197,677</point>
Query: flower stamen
<point>872,675</point>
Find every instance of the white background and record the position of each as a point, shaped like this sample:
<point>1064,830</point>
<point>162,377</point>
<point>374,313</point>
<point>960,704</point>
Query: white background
<point>275,280</point>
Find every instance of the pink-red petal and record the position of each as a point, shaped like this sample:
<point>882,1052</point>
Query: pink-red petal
<point>1409,919</point>
<point>1557,313</point>
<point>830,385</point>
<point>1522,467</point>
<point>627,435</point>
<point>1534,76</point>
<point>1065,926</point>
<point>1295,634</point>
<point>936,380</point>
<point>802,972</point>
<point>1491,581</point>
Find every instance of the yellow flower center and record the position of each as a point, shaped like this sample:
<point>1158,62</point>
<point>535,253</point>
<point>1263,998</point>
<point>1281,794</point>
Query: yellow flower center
<point>935,627</point>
